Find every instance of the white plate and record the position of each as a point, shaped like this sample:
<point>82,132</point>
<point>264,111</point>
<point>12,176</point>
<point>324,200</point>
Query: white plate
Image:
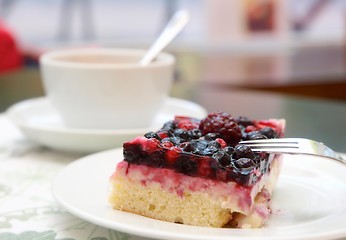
<point>39,122</point>
<point>309,202</point>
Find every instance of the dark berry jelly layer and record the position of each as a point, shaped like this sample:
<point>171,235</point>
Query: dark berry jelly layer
<point>206,148</point>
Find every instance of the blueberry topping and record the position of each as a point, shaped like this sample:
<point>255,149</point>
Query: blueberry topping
<point>243,163</point>
<point>175,140</point>
<point>214,144</point>
<point>181,133</point>
<point>169,126</point>
<point>243,151</point>
<point>268,132</point>
<point>208,148</point>
<point>211,136</point>
<point>194,133</point>
<point>255,135</point>
<point>152,135</point>
<point>167,139</point>
<point>229,150</point>
<point>222,157</point>
<point>198,146</point>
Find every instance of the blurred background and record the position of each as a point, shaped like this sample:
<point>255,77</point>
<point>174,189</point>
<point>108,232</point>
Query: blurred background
<point>295,47</point>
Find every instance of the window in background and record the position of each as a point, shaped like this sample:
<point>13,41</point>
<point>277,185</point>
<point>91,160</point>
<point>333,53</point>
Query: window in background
<point>133,22</point>
<point>215,23</point>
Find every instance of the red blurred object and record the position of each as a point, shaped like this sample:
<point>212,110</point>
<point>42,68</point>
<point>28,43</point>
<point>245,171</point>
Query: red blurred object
<point>261,15</point>
<point>10,55</point>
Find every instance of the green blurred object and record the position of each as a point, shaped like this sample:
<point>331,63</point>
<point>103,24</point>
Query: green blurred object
<point>19,85</point>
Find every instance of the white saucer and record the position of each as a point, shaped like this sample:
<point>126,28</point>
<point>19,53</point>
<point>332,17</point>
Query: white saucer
<point>39,122</point>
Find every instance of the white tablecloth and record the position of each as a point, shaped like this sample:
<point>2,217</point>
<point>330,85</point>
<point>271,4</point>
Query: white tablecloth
<point>28,210</point>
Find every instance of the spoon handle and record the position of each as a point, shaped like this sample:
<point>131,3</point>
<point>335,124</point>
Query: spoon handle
<point>174,26</point>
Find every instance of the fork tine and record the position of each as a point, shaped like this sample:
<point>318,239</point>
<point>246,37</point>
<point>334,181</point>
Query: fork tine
<point>277,150</point>
<point>274,140</point>
<point>272,143</point>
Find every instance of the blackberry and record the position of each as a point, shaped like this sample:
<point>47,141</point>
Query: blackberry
<point>223,124</point>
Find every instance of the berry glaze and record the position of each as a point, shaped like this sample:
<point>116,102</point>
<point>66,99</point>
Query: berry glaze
<point>207,148</point>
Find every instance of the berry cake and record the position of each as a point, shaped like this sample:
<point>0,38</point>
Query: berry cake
<point>195,172</point>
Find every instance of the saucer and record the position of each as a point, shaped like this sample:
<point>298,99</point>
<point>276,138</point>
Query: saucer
<point>39,122</point>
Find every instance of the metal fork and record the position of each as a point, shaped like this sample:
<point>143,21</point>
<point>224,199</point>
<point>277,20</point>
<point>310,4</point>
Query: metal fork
<point>293,146</point>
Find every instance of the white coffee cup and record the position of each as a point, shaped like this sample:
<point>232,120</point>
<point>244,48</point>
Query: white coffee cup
<point>100,88</point>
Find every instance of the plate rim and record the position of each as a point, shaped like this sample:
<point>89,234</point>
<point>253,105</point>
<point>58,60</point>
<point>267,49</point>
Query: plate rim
<point>151,234</point>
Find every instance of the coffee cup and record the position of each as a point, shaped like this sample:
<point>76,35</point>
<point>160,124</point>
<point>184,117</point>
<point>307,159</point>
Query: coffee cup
<point>104,88</point>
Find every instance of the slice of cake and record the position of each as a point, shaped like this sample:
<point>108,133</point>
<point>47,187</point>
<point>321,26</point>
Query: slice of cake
<point>195,172</point>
